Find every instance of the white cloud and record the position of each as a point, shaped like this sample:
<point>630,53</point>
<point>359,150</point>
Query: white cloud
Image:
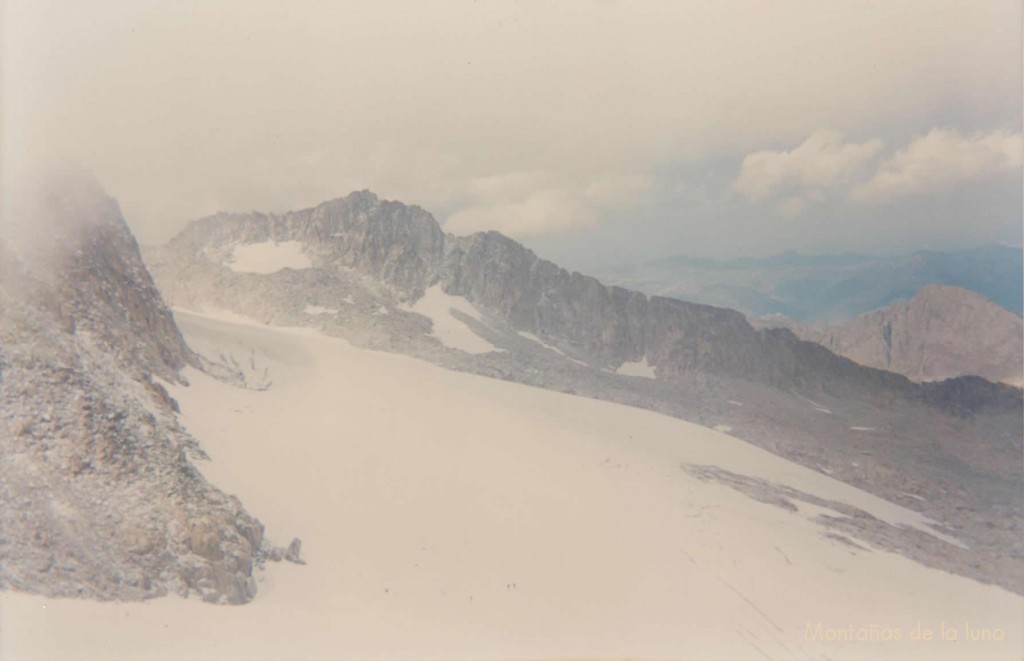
<point>939,160</point>
<point>519,204</point>
<point>543,212</point>
<point>823,162</point>
<point>827,164</point>
<point>616,190</point>
<point>417,103</point>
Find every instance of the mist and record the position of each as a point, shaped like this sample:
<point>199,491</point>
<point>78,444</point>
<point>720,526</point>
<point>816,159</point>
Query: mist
<point>593,132</point>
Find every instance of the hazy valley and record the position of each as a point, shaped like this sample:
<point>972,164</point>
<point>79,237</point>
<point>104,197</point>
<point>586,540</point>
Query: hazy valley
<point>827,288</point>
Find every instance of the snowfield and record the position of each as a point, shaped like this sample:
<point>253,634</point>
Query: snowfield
<point>449,516</point>
<point>437,306</point>
<point>268,257</point>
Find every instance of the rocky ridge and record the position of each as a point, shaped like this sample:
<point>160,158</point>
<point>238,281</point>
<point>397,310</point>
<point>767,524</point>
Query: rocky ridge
<point>405,249</point>
<point>101,498</point>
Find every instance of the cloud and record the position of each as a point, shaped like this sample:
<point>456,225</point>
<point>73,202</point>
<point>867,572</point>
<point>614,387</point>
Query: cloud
<point>183,109</point>
<point>543,212</point>
<point>939,160</point>
<point>791,207</point>
<point>519,204</point>
<point>826,164</point>
<point>825,161</point>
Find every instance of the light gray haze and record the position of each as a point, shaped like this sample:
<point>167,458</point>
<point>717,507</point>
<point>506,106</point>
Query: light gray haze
<point>595,132</point>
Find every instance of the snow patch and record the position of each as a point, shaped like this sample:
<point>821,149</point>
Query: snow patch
<point>640,368</point>
<point>268,257</point>
<point>534,338</point>
<point>815,405</point>
<point>437,306</point>
<point>226,316</point>
<point>863,428</point>
<point>316,309</point>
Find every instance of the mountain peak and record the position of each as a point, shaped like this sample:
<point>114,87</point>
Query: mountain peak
<point>942,332</point>
<point>948,294</point>
<point>85,340</point>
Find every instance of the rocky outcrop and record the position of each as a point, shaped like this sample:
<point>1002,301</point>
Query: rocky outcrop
<point>72,239</point>
<point>404,248</point>
<point>941,333</point>
<point>100,497</point>
<point>676,337</point>
<point>389,241</point>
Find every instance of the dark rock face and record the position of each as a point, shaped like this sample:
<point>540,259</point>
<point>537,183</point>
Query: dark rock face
<point>966,395</point>
<point>537,296</point>
<point>676,337</point>
<point>100,497</point>
<point>73,239</point>
<point>389,241</point>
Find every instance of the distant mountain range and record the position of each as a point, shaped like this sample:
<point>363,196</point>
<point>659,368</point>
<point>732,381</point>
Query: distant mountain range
<point>942,332</point>
<point>828,288</point>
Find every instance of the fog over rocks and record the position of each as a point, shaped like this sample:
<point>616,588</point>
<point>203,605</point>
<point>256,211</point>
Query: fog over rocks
<point>101,496</point>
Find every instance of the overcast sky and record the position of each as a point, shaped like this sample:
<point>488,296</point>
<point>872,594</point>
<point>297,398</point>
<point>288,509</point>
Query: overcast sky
<point>595,132</point>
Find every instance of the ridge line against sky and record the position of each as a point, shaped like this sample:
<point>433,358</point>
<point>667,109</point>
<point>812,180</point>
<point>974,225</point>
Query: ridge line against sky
<point>594,132</point>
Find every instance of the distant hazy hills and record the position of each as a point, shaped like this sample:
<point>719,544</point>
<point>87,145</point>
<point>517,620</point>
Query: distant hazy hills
<point>942,332</point>
<point>827,288</point>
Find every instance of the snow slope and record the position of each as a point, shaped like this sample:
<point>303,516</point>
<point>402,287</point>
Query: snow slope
<point>268,257</point>
<point>449,516</point>
<point>436,305</point>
